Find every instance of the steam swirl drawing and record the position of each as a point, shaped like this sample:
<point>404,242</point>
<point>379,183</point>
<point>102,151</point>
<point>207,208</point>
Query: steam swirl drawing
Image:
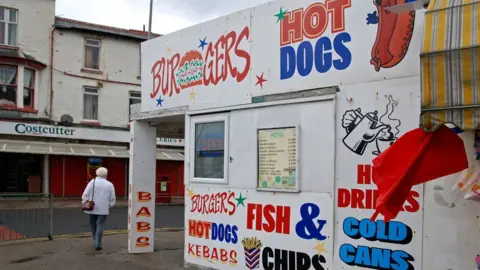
<point>365,128</point>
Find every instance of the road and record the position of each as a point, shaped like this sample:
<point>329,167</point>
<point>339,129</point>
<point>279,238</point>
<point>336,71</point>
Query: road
<point>34,223</point>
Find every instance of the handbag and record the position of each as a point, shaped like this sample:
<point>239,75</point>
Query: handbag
<point>88,206</point>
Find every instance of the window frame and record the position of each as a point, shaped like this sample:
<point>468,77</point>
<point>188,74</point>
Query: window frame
<point>85,45</point>
<point>83,102</point>
<point>16,87</point>
<point>205,119</point>
<point>134,98</point>
<point>32,89</point>
<point>6,20</point>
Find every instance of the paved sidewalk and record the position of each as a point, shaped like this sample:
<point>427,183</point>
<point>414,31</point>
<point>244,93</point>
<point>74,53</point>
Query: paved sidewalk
<point>78,253</point>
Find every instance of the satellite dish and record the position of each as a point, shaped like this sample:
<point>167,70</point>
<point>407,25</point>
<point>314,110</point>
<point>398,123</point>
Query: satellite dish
<point>66,120</point>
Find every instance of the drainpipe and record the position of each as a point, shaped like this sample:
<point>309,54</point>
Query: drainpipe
<point>51,70</point>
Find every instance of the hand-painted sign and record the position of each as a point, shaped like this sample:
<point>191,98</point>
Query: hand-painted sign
<point>369,123</point>
<point>248,229</point>
<point>280,47</point>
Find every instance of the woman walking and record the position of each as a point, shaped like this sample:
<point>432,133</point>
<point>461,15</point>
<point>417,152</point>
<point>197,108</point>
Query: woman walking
<point>97,199</point>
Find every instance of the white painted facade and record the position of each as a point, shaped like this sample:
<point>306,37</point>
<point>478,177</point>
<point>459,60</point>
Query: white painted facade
<point>34,26</point>
<point>119,62</point>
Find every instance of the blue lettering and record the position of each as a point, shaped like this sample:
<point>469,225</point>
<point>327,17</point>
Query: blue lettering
<point>342,51</point>
<point>321,55</point>
<point>368,229</point>
<point>305,58</point>
<point>224,233</point>
<point>350,228</point>
<point>375,258</point>
<point>234,234</point>
<point>347,253</point>
<point>381,258</point>
<point>323,58</point>
<point>397,231</point>
<point>287,62</point>
<point>214,231</point>
<point>221,232</point>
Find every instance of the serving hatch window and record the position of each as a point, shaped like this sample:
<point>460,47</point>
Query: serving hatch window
<point>210,145</point>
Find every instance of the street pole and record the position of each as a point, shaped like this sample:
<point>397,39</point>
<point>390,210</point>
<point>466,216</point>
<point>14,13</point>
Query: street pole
<point>150,20</point>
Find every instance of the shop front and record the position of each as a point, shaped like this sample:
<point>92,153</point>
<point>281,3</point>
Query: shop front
<point>43,158</point>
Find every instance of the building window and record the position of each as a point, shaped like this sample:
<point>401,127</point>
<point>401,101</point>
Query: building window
<point>28,87</point>
<point>8,85</point>
<point>135,98</point>
<point>90,103</point>
<point>210,148</point>
<point>8,26</point>
<point>92,53</point>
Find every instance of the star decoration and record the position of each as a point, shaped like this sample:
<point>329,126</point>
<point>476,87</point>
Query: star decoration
<point>190,193</point>
<point>281,15</point>
<point>203,43</point>
<point>260,80</point>
<point>372,18</point>
<point>169,50</point>
<point>159,101</point>
<point>320,247</point>
<point>192,95</point>
<point>240,200</point>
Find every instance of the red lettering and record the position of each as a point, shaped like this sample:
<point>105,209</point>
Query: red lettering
<point>250,215</point>
<point>337,9</point>
<point>277,218</point>
<point>291,27</point>
<point>413,206</point>
<point>369,202</point>
<point>245,34</point>
<point>217,203</point>
<point>343,197</point>
<point>199,229</point>
<point>144,196</point>
<point>315,20</point>
<point>269,225</point>
<point>364,174</point>
<point>144,212</point>
<point>214,254</point>
<point>233,257</point>
<point>357,198</point>
<point>191,228</point>
<point>206,252</point>
<point>190,249</point>
<point>223,255</point>
<point>197,251</point>
<point>163,74</point>
<point>143,226</point>
<point>142,241</point>
<point>207,228</point>
<point>218,63</point>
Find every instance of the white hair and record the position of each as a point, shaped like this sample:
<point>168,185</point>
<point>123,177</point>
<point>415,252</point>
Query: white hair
<point>102,172</point>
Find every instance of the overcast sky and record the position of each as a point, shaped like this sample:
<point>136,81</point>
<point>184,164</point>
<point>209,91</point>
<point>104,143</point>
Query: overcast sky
<point>168,15</point>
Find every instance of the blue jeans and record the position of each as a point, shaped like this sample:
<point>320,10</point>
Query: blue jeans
<point>97,222</point>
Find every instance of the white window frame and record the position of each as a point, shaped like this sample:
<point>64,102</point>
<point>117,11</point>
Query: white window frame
<point>205,119</point>
<point>83,103</point>
<point>7,21</point>
<point>130,97</point>
<point>99,46</point>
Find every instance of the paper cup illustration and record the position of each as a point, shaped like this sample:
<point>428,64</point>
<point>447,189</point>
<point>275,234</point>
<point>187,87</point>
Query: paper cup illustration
<point>251,247</point>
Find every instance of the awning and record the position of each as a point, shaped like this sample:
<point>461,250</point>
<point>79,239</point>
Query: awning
<point>450,62</point>
<point>50,148</point>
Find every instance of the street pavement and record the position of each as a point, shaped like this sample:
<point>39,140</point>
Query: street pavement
<point>34,222</point>
<point>78,253</point>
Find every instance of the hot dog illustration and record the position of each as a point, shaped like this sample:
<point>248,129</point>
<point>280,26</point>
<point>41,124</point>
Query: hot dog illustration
<point>394,34</point>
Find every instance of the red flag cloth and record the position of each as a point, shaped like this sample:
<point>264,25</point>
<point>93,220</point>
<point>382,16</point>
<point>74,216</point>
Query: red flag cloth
<point>415,158</point>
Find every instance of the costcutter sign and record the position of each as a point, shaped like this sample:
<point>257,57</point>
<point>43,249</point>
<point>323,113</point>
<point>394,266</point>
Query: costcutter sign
<point>108,135</point>
<point>245,229</point>
<point>279,47</point>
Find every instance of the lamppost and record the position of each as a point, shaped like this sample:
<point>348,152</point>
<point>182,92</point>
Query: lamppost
<point>150,20</point>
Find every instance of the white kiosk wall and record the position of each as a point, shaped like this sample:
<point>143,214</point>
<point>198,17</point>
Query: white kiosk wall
<point>229,217</point>
<point>141,195</point>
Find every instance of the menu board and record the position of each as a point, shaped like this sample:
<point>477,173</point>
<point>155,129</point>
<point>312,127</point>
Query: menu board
<point>277,158</point>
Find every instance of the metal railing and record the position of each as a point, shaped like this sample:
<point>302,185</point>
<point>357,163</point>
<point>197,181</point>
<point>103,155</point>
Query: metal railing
<point>25,216</point>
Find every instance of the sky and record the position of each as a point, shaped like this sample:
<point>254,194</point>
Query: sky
<point>168,15</point>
